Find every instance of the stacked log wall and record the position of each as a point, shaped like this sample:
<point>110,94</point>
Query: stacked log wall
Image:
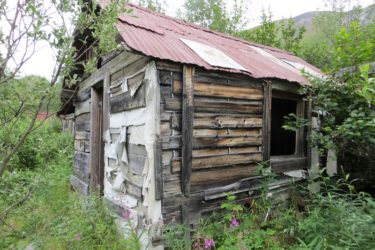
<point>81,169</point>
<point>227,142</point>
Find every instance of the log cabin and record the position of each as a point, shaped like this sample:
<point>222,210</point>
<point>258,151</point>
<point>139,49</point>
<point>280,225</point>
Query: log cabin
<point>181,115</point>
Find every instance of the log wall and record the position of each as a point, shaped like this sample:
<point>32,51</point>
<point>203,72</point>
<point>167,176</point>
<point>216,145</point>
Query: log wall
<point>227,121</point>
<point>81,169</point>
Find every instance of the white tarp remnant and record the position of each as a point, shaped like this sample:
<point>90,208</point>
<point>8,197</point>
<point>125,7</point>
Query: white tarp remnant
<point>211,55</point>
<point>143,127</point>
<point>301,67</point>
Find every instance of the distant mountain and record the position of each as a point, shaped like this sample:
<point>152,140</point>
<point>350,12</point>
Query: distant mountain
<point>306,19</point>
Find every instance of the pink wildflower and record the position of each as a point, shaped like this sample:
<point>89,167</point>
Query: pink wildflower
<point>209,243</point>
<point>78,236</point>
<point>125,214</point>
<point>234,222</point>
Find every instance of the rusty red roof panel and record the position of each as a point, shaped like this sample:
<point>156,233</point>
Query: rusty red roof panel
<point>158,36</point>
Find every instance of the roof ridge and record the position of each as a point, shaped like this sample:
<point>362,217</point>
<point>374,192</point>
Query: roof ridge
<point>192,25</point>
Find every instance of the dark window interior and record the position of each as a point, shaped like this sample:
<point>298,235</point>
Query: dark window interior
<point>283,142</point>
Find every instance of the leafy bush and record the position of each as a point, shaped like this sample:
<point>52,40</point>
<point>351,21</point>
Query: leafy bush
<point>38,208</point>
<point>334,219</point>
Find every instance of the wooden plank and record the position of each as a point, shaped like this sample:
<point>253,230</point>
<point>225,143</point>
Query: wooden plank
<point>106,105</point>
<point>171,142</point>
<point>225,107</point>
<point>81,166</point>
<point>96,142</point>
<point>284,164</point>
<point>125,101</point>
<point>187,127</point>
<point>218,161</point>
<point>82,107</point>
<point>158,170</point>
<point>201,180</point>
<point>79,145</point>
<point>80,135</point>
<point>207,142</point>
<point>165,65</point>
<point>82,123</point>
<point>220,90</point>
<point>267,121</point>
<point>226,132</point>
<point>83,96</point>
<point>136,163</point>
<point>222,121</point>
<point>79,186</point>
<point>136,149</point>
<point>133,190</point>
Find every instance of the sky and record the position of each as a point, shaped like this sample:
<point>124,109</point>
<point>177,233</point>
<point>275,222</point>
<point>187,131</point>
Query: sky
<point>43,61</point>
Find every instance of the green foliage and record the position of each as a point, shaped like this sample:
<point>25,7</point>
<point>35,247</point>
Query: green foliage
<point>333,219</point>
<point>266,33</point>
<point>214,14</point>
<point>281,34</point>
<point>154,5</point>
<point>292,122</point>
<point>47,213</point>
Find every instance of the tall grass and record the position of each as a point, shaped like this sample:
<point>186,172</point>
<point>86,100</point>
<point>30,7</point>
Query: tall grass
<point>37,207</point>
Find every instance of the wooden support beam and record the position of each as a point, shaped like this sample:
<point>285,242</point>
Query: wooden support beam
<point>187,127</point>
<point>106,106</point>
<point>158,170</point>
<point>267,99</point>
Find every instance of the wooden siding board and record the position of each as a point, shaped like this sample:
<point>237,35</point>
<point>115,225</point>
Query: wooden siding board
<point>187,127</point>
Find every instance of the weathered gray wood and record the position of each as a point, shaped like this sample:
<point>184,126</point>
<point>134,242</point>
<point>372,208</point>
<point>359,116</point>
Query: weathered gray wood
<point>169,66</point>
<point>82,123</point>
<point>106,105</point>
<point>284,164</point>
<point>171,142</point>
<point>158,170</point>
<point>218,161</point>
<point>96,142</point>
<point>81,167</point>
<point>187,127</point>
<point>220,90</point>
<point>136,163</point>
<point>83,95</point>
<point>267,120</point>
<point>82,107</point>
<point>79,186</point>
<point>201,180</point>
<point>209,106</point>
<point>226,132</point>
<point>133,189</point>
<point>125,101</point>
<point>136,149</point>
<point>80,135</point>
<point>79,145</point>
<point>222,121</point>
<point>217,142</point>
<point>129,70</point>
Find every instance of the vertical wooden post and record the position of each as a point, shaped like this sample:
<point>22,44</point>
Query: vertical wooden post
<point>96,141</point>
<point>158,170</point>
<point>187,127</point>
<point>266,133</point>
<point>106,107</point>
<point>300,134</point>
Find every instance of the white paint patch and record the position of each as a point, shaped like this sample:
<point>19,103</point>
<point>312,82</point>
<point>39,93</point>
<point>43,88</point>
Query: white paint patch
<point>212,56</point>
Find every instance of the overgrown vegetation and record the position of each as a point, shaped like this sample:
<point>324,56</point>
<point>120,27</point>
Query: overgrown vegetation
<point>37,207</point>
<point>333,219</point>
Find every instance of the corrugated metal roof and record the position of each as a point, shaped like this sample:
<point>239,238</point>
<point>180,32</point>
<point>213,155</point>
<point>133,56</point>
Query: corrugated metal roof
<point>159,36</point>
